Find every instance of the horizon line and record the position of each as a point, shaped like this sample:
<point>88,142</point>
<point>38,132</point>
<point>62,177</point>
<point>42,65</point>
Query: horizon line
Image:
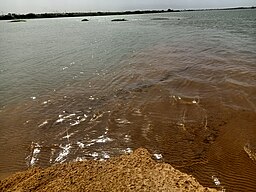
<point>187,9</point>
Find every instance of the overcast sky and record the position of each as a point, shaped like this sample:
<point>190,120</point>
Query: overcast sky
<point>39,6</point>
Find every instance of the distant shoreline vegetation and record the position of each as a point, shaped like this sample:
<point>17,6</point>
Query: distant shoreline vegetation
<point>11,16</point>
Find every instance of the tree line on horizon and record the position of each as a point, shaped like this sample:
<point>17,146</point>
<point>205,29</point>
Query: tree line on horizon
<point>11,16</point>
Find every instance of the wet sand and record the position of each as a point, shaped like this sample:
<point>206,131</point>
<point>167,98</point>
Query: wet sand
<point>134,172</point>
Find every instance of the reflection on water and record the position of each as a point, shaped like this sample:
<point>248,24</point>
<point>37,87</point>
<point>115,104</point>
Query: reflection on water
<point>183,88</point>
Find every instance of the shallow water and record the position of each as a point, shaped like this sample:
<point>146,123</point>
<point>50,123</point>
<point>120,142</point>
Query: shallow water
<point>183,87</point>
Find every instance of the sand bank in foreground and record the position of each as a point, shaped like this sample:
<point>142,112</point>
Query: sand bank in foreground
<point>134,172</point>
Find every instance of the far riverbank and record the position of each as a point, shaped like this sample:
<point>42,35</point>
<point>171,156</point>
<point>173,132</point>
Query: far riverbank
<point>11,16</point>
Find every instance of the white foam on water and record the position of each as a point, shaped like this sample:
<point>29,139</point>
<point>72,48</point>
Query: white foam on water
<point>78,120</point>
<point>67,117</point>
<point>89,144</point>
<point>27,122</point>
<point>105,155</point>
<point>102,139</point>
<point>81,145</point>
<point>91,98</point>
<point>96,116</point>
<point>52,154</point>
<point>34,156</point>
<point>94,154</point>
<point>102,156</point>
<point>127,138</point>
<point>75,123</point>
<point>60,120</point>
<point>42,124</point>
<point>33,98</point>
<point>137,112</point>
<point>158,156</point>
<point>123,121</point>
<point>45,102</point>
<point>181,124</point>
<point>68,136</point>
<point>216,180</point>
<point>63,154</point>
<point>83,119</point>
<point>128,150</point>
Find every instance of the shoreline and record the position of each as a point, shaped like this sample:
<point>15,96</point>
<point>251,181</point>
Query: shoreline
<point>11,16</point>
<point>131,172</point>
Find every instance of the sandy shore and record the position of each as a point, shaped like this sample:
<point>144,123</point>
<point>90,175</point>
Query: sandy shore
<point>134,172</point>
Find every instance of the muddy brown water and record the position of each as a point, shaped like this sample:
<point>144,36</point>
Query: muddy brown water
<point>190,102</point>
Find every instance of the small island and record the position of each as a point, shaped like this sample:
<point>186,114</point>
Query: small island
<point>84,20</point>
<point>119,20</point>
<point>160,19</point>
<point>17,20</point>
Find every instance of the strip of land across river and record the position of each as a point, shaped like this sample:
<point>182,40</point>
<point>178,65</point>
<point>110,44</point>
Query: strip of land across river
<point>11,16</point>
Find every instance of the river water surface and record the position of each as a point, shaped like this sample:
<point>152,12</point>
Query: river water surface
<point>184,87</point>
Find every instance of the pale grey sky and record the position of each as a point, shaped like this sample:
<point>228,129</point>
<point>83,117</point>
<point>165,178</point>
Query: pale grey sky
<point>39,6</point>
